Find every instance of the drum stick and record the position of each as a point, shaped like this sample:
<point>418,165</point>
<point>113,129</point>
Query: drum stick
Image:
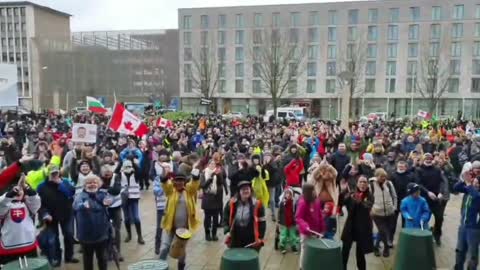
<point>250,245</point>
<point>26,261</point>
<point>20,262</point>
<point>421,225</point>
<point>320,237</point>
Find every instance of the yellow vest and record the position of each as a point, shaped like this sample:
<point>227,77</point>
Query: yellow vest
<point>260,188</point>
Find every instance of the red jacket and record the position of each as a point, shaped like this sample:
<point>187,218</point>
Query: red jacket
<point>292,172</point>
<point>8,175</point>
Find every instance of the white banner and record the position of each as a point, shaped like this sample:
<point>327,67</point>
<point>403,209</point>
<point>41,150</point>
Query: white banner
<point>84,133</point>
<point>8,85</point>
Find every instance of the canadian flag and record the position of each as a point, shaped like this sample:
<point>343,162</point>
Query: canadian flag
<point>424,114</point>
<point>165,123</point>
<point>125,122</point>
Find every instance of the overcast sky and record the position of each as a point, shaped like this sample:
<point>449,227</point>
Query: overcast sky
<point>90,15</point>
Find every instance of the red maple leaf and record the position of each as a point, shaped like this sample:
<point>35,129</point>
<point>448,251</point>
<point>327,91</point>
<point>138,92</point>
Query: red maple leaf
<point>128,125</point>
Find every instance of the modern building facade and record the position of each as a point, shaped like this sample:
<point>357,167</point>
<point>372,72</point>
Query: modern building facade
<point>397,36</point>
<point>21,23</point>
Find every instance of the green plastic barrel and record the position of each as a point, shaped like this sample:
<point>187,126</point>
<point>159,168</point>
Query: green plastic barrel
<point>240,259</point>
<point>149,265</point>
<point>415,250</point>
<point>33,264</point>
<point>322,253</point>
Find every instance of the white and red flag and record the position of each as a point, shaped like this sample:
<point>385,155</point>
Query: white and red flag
<point>424,114</point>
<point>164,123</point>
<point>126,122</point>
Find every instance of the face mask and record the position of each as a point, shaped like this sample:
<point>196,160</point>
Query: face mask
<point>428,163</point>
<point>400,171</point>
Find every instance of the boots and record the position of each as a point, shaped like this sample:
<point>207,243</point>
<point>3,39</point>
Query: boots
<point>128,228</point>
<point>208,237</point>
<point>181,266</point>
<point>214,234</point>
<point>138,227</point>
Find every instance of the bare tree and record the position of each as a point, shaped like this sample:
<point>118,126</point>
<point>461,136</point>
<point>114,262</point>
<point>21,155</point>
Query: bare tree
<point>205,73</point>
<point>433,77</point>
<point>278,62</point>
<point>352,64</point>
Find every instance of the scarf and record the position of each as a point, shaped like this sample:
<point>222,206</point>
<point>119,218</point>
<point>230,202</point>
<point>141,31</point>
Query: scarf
<point>212,189</point>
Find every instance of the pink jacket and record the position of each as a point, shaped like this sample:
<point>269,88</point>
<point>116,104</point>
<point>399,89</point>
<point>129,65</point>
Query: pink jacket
<point>309,217</point>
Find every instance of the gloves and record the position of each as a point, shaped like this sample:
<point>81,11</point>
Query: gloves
<point>12,193</point>
<point>30,192</point>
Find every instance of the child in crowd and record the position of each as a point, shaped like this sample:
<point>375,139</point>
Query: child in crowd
<point>414,208</point>
<point>286,219</point>
<point>330,220</point>
<point>18,232</point>
<point>161,202</point>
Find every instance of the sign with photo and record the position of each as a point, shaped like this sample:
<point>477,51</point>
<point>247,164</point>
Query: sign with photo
<point>86,133</point>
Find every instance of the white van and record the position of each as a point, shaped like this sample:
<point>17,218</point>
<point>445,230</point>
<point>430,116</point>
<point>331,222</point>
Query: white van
<point>282,113</point>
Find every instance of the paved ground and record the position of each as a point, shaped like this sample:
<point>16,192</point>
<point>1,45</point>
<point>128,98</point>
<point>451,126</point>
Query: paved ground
<point>204,255</point>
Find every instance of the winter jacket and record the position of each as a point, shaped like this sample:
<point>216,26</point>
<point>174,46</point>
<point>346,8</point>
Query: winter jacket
<point>273,171</point>
<point>35,178</point>
<point>212,200</point>
<point>400,182</point>
<point>432,179</point>
<point>125,153</point>
<point>309,217</point>
<point>56,199</point>
<point>244,174</point>
<point>339,161</point>
<point>9,174</point>
<point>160,198</point>
<point>92,222</point>
<point>471,206</point>
<point>282,209</point>
<point>259,185</point>
<point>385,198</point>
<point>292,172</point>
<point>415,211</point>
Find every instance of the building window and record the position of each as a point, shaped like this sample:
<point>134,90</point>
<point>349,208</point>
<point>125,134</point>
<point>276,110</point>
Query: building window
<point>187,38</point>
<point>187,71</point>
<point>221,37</point>
<point>313,18</point>
<point>373,15</point>
<point>370,86</point>
<point>312,69</point>
<point>458,12</point>
<point>276,19</point>
<point>222,55</point>
<point>222,86</point>
<point>371,68</point>
<point>256,54</point>
<point>457,30</point>
<point>434,49</point>
<point>476,48</point>
<point>412,49</point>
<point>415,13</point>
<point>391,68</point>
<point>311,86</point>
<point>9,27</point>
<point>187,86</point>
<point>9,12</point>
<point>331,68</point>
<point>435,31</point>
<point>353,16</point>
<point>476,67</point>
<point>332,51</point>
<point>312,35</point>
<point>372,51</point>
<point>204,21</point>
<point>292,70</point>
<point>239,37</point>
<point>22,11</point>
<point>411,85</point>
<point>392,33</point>
<point>350,51</point>
<point>222,21</point>
<point>394,14</point>
<point>239,55</point>
<point>257,36</point>
<point>477,30</point>
<point>453,84</point>
<point>332,34</point>
<point>330,86</point>
<point>352,33</point>
<point>187,22</point>
<point>187,54</point>
<point>436,13</point>
<point>257,86</point>
<point>412,68</point>
<point>332,17</point>
<point>292,86</point>
<point>390,85</point>
<point>477,11</point>
<point>413,30</point>
<point>456,49</point>
<point>238,86</point>
<point>372,33</point>
<point>312,52</point>
<point>294,36</point>
<point>222,70</point>
<point>475,85</point>
<point>295,19</point>
<point>256,68</point>
<point>392,50</point>
<point>454,67</point>
<point>239,21</point>
<point>258,19</point>
<point>204,38</point>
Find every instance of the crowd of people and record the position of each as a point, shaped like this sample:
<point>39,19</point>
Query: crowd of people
<point>303,176</point>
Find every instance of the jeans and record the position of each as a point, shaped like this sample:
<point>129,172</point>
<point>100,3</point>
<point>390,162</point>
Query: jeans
<point>167,239</point>
<point>68,241</point>
<point>158,234</point>
<point>211,221</point>
<point>115,215</point>
<point>383,225</point>
<point>130,211</point>
<point>288,236</point>
<point>100,250</point>
<point>467,244</point>
<point>361,263</point>
<point>438,209</point>
<point>271,203</point>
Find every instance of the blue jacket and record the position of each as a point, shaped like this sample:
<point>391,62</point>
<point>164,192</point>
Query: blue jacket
<point>315,143</point>
<point>92,223</point>
<point>135,152</point>
<point>197,139</point>
<point>470,207</point>
<point>415,211</point>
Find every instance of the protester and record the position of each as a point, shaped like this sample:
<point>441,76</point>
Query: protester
<point>286,220</point>
<point>414,208</point>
